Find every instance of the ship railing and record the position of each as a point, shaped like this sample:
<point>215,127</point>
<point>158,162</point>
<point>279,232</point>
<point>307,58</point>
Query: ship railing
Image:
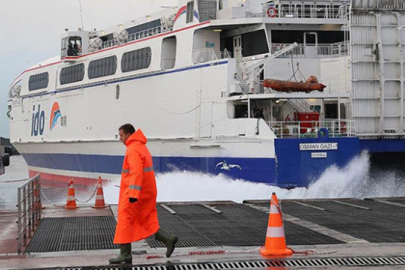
<point>309,129</point>
<point>226,54</point>
<point>29,210</point>
<point>298,11</point>
<point>136,36</point>
<point>204,55</point>
<point>313,50</point>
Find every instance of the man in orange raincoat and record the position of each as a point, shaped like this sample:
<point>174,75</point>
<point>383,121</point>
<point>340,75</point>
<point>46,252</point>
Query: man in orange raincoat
<point>137,215</point>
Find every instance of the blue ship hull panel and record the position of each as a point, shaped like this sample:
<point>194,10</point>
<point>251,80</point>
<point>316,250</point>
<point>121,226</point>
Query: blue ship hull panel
<point>261,170</point>
<point>297,167</point>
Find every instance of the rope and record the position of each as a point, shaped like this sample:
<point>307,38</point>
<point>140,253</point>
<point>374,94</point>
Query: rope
<point>180,112</point>
<point>46,198</point>
<point>49,201</point>
<point>94,193</point>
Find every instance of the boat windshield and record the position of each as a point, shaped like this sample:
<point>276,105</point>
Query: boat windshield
<point>71,46</point>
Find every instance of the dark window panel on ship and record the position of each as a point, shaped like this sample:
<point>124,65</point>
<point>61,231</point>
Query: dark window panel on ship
<point>254,43</point>
<point>72,74</point>
<point>190,12</point>
<point>136,60</point>
<point>38,81</point>
<point>135,29</point>
<point>143,27</point>
<point>102,67</point>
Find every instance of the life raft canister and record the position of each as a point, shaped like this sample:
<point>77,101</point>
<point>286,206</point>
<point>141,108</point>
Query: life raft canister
<point>271,12</point>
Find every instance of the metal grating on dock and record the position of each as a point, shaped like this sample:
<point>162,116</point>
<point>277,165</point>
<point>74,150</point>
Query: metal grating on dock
<point>373,221</point>
<point>262,264</point>
<point>235,225</point>
<point>74,233</point>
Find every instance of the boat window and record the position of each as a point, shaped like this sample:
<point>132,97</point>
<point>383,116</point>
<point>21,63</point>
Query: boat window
<point>254,43</point>
<point>71,46</point>
<point>15,89</point>
<point>207,10</point>
<point>143,27</point>
<point>190,12</point>
<point>135,60</point>
<point>102,67</point>
<point>38,81</point>
<point>168,59</point>
<point>72,74</point>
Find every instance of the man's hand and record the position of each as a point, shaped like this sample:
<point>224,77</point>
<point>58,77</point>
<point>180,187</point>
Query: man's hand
<point>132,200</point>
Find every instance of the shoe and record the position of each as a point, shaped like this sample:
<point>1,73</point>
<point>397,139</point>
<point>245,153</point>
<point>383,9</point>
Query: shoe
<point>168,239</point>
<point>125,255</point>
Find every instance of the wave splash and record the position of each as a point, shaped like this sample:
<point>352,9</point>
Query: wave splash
<point>352,181</point>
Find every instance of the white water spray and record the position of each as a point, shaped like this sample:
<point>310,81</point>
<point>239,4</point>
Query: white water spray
<point>352,181</point>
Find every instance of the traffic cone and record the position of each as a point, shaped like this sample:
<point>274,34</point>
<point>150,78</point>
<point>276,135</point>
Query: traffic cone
<point>71,199</point>
<point>99,195</point>
<point>275,238</point>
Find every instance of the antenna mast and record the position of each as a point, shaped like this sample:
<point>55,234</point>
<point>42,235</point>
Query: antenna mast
<point>81,13</point>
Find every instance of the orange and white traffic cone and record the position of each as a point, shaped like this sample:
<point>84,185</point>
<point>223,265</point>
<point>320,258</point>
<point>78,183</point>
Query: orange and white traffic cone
<point>99,195</point>
<point>71,199</point>
<point>275,238</point>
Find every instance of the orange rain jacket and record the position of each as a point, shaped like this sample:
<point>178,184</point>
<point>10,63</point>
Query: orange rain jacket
<point>138,220</point>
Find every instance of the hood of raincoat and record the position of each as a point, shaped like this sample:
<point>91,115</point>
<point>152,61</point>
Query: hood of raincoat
<point>136,137</point>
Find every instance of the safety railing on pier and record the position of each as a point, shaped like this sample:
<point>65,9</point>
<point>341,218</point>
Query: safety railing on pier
<point>309,129</point>
<point>29,210</point>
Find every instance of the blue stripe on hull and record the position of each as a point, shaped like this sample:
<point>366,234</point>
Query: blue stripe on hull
<point>261,170</point>
<point>383,145</point>
<point>293,168</point>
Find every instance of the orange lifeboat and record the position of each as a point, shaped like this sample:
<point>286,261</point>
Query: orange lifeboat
<point>310,85</point>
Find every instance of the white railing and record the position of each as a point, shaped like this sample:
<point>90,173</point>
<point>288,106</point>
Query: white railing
<point>314,51</point>
<point>309,129</point>
<point>138,35</point>
<point>204,55</point>
<point>226,54</point>
<point>298,11</point>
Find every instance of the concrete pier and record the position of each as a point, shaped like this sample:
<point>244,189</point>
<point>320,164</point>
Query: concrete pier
<point>325,233</point>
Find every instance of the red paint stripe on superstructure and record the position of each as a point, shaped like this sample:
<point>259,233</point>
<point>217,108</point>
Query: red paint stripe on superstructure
<point>137,41</point>
<point>183,8</point>
<point>108,49</point>
<point>51,64</point>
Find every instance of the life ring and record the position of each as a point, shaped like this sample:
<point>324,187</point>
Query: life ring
<point>271,12</point>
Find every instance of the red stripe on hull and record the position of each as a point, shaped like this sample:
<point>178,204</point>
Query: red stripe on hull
<point>62,180</point>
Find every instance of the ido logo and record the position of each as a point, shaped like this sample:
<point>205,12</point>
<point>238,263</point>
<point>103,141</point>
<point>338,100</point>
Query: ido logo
<point>38,121</point>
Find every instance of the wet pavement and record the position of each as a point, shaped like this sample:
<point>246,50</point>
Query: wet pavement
<point>324,233</point>
<point>242,252</point>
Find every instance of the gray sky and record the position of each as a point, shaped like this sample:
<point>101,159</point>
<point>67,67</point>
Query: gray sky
<point>30,31</point>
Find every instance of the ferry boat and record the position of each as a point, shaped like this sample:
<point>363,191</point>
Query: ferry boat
<point>191,77</point>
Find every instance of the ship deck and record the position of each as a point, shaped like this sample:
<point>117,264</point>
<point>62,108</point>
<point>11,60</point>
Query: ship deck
<point>328,234</point>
